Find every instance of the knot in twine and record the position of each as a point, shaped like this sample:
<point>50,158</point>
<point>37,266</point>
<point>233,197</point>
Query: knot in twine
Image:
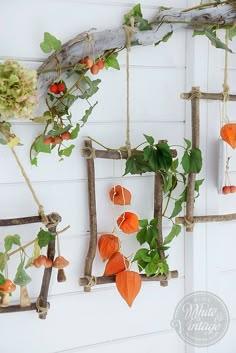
<point>41,309</point>
<point>90,155</point>
<point>225,92</point>
<point>195,93</point>
<point>53,220</point>
<point>92,281</point>
<point>188,223</point>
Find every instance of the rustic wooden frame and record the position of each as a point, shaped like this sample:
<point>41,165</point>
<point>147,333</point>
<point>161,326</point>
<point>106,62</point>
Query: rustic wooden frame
<point>195,95</point>
<point>89,280</point>
<point>41,305</point>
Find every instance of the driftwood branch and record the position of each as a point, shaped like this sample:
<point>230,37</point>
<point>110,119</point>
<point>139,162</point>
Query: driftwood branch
<point>20,221</point>
<point>207,219</point>
<point>111,279</point>
<point>92,217</point>
<point>195,144</point>
<point>17,308</point>
<point>164,22</point>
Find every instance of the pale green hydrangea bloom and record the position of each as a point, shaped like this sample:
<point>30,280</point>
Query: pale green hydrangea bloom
<point>18,90</point>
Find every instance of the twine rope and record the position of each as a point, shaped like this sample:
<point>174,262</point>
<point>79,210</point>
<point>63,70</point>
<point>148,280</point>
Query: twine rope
<point>41,309</point>
<point>195,93</point>
<point>225,93</point>
<point>128,33</point>
<point>92,281</point>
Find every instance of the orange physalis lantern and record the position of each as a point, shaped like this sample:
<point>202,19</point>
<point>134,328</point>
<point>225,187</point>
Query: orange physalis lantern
<point>116,264</point>
<point>108,244</point>
<point>228,134</point>
<point>120,195</point>
<point>128,284</point>
<point>128,222</point>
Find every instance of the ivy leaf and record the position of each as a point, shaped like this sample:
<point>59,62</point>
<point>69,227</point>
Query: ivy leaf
<point>151,268</point>
<point>232,32</point>
<point>198,183</point>
<point>42,119</point>
<point>40,146</point>
<point>192,160</point>
<point>143,223</point>
<point>165,38</point>
<point>34,161</point>
<point>10,240</point>
<point>152,233</point>
<point>158,157</point>
<point>139,21</point>
<point>50,43</point>
<point>142,236</point>
<point>163,268</point>
<point>3,260</point>
<point>176,229</point>
<point>177,207</point>
<point>211,35</point>
<point>142,254</point>
<point>2,279</point>
<point>92,88</point>
<point>75,132</point>
<point>149,139</point>
<point>112,62</point>
<point>141,265</point>
<point>137,165</point>
<point>66,151</point>
<point>154,222</point>
<point>2,141</point>
<point>44,238</point>
<point>188,143</point>
<point>88,112</point>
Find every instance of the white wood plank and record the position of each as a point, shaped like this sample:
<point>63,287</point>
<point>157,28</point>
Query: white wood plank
<point>102,313</point>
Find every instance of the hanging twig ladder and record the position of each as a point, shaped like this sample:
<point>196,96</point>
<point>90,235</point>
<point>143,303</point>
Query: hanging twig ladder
<point>89,280</point>
<point>41,305</point>
<point>195,95</point>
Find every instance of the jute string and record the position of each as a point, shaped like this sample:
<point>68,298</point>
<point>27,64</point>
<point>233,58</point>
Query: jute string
<point>224,117</point>
<point>128,33</point>
<point>23,172</point>
<point>195,93</point>
<point>92,281</point>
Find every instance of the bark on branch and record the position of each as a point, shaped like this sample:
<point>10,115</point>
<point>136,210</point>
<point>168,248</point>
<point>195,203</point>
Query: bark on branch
<point>164,22</point>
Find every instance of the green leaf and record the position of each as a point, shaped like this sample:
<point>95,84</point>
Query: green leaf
<point>142,236</point>
<point>154,222</point>
<point>66,151</point>
<point>142,254</point>
<point>151,268</point>
<point>11,240</point>
<point>176,229</point>
<point>198,183</point>
<point>44,238</point>
<point>40,146</point>
<point>139,21</point>
<point>2,279</point>
<point>232,32</point>
<point>149,139</point>
<point>112,62</point>
<point>92,88</point>
<point>75,132</point>
<point>165,38</point>
<point>50,43</point>
<point>21,277</point>
<point>42,119</point>
<point>137,165</point>
<point>188,143</point>
<point>210,33</point>
<point>2,141</point>
<point>192,161</point>
<point>163,268</point>
<point>152,233</point>
<point>3,260</point>
<point>34,161</point>
<point>88,112</point>
<point>36,253</point>
<point>177,208</point>
<point>141,265</point>
<point>143,223</point>
<point>158,157</point>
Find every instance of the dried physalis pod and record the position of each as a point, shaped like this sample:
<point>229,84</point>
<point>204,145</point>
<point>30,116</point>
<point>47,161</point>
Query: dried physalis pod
<point>120,195</point>
<point>116,264</point>
<point>128,222</point>
<point>108,244</point>
<point>128,284</point>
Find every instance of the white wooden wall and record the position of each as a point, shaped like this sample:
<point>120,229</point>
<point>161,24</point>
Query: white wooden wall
<point>101,321</point>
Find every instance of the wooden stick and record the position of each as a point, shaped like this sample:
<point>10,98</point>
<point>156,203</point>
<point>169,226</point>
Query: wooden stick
<point>207,219</point>
<point>42,303</point>
<point>210,96</point>
<point>19,221</point>
<point>17,308</point>
<point>88,152</point>
<point>92,217</point>
<point>111,279</point>
<point>158,200</point>
<point>195,143</point>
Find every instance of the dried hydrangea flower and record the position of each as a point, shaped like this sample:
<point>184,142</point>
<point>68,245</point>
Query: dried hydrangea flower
<point>18,90</point>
